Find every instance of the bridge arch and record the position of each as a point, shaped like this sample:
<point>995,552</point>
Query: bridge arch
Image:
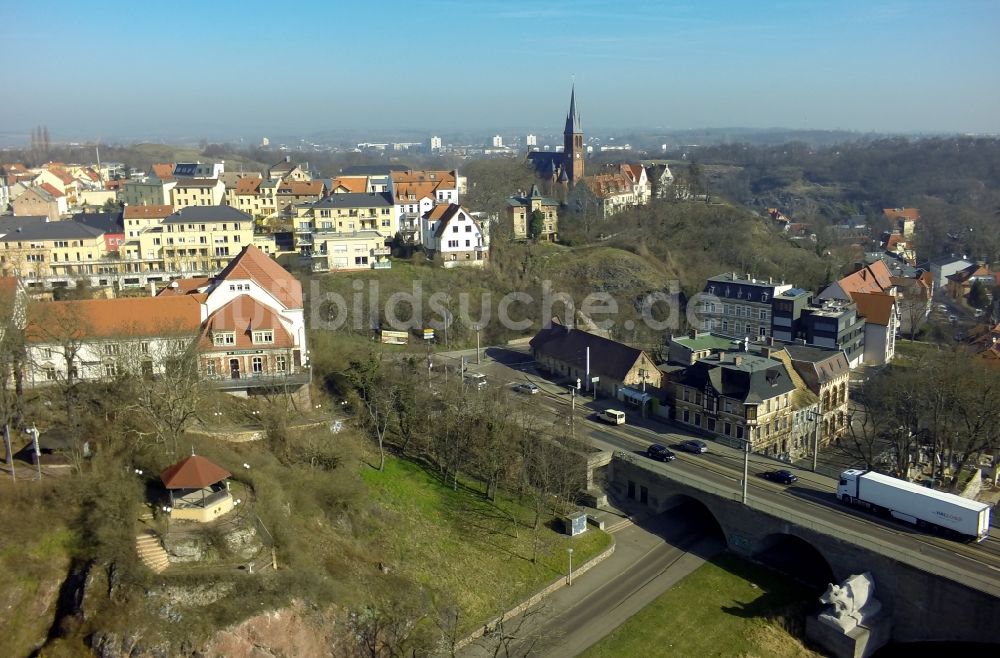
<point>794,556</point>
<point>694,515</point>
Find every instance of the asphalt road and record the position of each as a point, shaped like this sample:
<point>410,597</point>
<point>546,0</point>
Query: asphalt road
<point>648,560</point>
<point>812,499</point>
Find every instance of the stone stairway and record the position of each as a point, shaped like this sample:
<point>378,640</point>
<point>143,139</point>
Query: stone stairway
<point>151,552</point>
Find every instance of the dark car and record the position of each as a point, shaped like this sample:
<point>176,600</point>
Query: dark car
<point>528,388</point>
<point>694,445</point>
<point>660,453</point>
<point>781,477</point>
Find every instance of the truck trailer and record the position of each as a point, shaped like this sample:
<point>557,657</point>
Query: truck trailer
<point>910,502</point>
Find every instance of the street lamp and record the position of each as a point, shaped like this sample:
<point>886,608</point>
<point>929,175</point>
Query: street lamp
<point>750,412</point>
<point>569,551</point>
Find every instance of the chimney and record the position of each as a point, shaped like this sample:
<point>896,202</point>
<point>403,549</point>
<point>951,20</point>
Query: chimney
<point>737,360</point>
<point>288,158</point>
<point>152,289</point>
<point>722,356</point>
<point>693,333</point>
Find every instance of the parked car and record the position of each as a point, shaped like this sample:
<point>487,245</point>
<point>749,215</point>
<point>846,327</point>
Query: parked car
<point>477,380</point>
<point>660,453</point>
<point>527,388</point>
<point>612,416</point>
<point>782,476</point>
<point>694,445</point>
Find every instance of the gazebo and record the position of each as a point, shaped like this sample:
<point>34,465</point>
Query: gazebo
<point>198,490</point>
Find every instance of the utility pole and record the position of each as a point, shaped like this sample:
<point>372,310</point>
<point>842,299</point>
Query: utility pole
<point>746,461</point>
<point>819,419</point>
<point>572,412</point>
<point>478,360</point>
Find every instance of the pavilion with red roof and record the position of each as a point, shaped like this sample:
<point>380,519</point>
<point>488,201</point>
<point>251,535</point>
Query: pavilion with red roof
<point>198,489</point>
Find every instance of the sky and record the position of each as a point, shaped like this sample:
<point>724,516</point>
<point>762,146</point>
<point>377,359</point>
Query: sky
<point>242,68</point>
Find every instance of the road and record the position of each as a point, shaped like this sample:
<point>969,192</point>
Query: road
<point>811,500</point>
<point>648,560</point>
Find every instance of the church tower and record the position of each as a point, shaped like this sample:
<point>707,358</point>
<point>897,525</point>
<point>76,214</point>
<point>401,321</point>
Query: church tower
<point>573,148</point>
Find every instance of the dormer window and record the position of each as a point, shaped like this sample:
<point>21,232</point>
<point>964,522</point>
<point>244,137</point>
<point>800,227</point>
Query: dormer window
<point>223,338</point>
<point>263,337</point>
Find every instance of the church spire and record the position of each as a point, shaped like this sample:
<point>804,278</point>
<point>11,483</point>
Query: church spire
<point>573,118</point>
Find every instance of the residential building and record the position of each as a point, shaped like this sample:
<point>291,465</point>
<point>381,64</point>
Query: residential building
<point>295,192</point>
<point>287,171</point>
<point>111,224</point>
<point>622,372</point>
<point>152,191</point>
<point>741,397</point>
<point>246,326</point>
<point>831,323</point>
<point>346,213</point>
<point>435,143</point>
<point>197,192</point>
<point>42,200</point>
<point>697,345</point>
<point>520,211</point>
<point>138,218</point>
<point>37,249</point>
<point>199,169</point>
<point>866,278</point>
<point>914,300</point>
<point>344,184</point>
<point>192,239</point>
<point>826,372</point>
<point>245,196</point>
<point>945,266</point>
<point>451,233</point>
<point>604,195</point>
<point>59,179</point>
<point>902,220</point>
<point>662,180</point>
<point>881,314</point>
<point>739,306</point>
<point>960,283</point>
<point>330,251</point>
<point>642,191</point>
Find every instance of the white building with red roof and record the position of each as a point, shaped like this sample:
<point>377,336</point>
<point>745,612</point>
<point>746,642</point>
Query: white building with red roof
<point>246,325</point>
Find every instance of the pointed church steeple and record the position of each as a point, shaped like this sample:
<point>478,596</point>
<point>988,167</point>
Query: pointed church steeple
<point>573,148</point>
<point>573,117</point>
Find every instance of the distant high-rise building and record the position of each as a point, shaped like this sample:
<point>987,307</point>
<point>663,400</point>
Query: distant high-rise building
<point>531,140</point>
<point>497,141</point>
<point>265,142</point>
<point>435,143</point>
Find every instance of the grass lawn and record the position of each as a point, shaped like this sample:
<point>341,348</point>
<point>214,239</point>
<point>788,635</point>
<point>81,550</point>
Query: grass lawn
<point>476,552</point>
<point>728,607</point>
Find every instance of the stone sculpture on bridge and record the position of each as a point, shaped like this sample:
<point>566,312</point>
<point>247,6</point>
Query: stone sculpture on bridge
<point>852,602</point>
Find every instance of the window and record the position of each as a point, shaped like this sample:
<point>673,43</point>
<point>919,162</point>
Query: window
<point>110,369</point>
<point>50,374</point>
<point>687,395</point>
<point>111,349</point>
<point>263,336</point>
<point>46,352</point>
<point>257,364</point>
<point>453,243</point>
<point>224,338</point>
<point>144,347</point>
<point>763,332</point>
<point>210,367</point>
<point>763,298</point>
<point>281,363</point>
<point>687,416</point>
<point>468,228</point>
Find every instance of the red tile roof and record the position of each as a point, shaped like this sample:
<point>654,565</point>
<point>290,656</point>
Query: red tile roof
<point>248,185</point>
<point>252,263</point>
<point>184,286</point>
<point>194,472</point>
<point>870,278</point>
<point>876,307</point>
<point>244,315</point>
<point>164,171</point>
<point>51,190</point>
<point>301,188</point>
<point>358,184</point>
<point>113,318</point>
<point>901,213</point>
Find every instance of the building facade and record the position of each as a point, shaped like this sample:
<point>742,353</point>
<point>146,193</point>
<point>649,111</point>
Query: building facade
<point>739,307</point>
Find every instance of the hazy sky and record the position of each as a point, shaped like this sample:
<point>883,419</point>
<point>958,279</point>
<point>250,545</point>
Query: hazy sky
<point>244,68</point>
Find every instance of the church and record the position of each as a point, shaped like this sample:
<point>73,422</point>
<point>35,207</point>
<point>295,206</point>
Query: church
<point>564,168</point>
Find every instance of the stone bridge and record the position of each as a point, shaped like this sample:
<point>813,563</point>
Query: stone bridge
<point>929,593</point>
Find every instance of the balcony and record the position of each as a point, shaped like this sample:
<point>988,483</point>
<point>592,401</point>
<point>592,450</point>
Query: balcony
<point>381,251</point>
<point>382,265</point>
<point>259,380</point>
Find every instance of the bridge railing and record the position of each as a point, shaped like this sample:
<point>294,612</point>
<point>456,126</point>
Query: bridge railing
<point>860,538</point>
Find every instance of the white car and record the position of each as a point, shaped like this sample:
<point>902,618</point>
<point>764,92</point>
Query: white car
<point>526,387</point>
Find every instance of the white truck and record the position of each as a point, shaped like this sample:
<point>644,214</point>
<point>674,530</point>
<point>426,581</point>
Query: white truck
<point>910,502</point>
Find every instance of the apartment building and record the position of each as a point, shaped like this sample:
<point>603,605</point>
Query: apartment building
<point>739,306</point>
<point>197,192</point>
<point>452,234</point>
<point>138,218</point>
<point>829,323</point>
<point>204,238</point>
<point>36,248</point>
<point>152,191</point>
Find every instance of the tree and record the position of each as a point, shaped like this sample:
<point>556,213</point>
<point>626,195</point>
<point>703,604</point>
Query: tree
<point>376,396</point>
<point>979,295</point>
<point>536,225</point>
